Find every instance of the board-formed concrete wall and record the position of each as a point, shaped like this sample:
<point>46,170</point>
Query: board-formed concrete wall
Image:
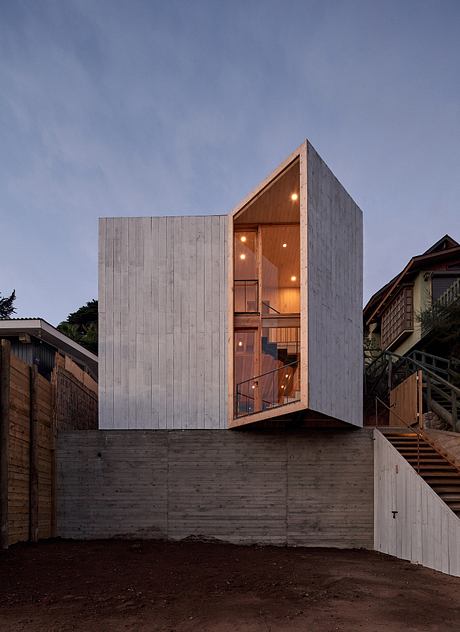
<point>163,322</point>
<point>306,488</point>
<point>411,521</point>
<point>335,295</point>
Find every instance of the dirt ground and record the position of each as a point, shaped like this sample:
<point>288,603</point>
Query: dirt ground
<point>124,585</point>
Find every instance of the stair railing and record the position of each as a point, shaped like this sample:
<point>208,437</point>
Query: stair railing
<point>265,304</point>
<point>433,383</point>
<point>268,390</point>
<point>417,431</point>
<point>421,436</point>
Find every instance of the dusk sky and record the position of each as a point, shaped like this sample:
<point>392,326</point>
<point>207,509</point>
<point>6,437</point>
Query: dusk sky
<point>111,108</point>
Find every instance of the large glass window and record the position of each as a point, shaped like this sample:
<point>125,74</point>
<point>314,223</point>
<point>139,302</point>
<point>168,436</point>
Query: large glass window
<point>245,370</point>
<point>246,282</point>
<point>280,269</point>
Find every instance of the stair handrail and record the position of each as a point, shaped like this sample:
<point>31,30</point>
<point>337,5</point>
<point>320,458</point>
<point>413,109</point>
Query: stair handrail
<point>454,390</point>
<point>420,435</point>
<point>271,307</point>
<point>407,424</point>
<point>425,369</point>
<point>255,380</point>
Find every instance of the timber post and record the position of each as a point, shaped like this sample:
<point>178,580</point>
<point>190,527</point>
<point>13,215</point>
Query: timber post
<point>33,479</point>
<point>5,350</point>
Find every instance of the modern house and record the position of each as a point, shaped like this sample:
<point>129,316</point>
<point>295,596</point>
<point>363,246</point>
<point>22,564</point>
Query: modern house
<point>221,321</point>
<point>231,387</point>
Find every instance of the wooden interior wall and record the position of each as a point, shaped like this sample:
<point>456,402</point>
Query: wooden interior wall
<point>410,520</point>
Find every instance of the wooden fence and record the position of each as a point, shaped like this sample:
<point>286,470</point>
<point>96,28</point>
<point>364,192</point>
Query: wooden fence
<point>32,410</point>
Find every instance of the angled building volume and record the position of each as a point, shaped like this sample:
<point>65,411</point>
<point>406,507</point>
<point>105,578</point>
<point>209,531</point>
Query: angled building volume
<point>221,321</point>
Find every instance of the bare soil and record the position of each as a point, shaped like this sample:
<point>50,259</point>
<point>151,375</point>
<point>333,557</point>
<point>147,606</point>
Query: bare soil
<point>117,585</point>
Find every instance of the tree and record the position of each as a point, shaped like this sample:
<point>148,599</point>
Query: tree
<point>7,308</point>
<point>82,326</point>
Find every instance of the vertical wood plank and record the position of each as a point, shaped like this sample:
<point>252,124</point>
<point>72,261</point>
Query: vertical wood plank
<point>33,455</point>
<point>5,351</point>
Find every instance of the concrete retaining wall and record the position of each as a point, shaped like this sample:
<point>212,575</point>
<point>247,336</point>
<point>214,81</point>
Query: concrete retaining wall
<point>309,488</point>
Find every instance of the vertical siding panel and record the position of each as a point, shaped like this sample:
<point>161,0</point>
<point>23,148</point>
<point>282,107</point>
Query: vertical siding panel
<point>162,308</point>
<point>164,341</point>
<point>102,333</point>
<point>192,420</point>
<point>131,316</point>
<point>334,295</point>
<point>213,327</point>
<point>124,321</point>
<point>118,421</point>
<point>153,314</point>
<point>169,386</point>
<point>222,354</point>
<point>200,314</point>
<point>144,324</point>
<point>108,343</point>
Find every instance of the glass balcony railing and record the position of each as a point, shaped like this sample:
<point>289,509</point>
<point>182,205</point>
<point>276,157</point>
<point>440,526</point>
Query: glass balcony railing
<point>270,390</point>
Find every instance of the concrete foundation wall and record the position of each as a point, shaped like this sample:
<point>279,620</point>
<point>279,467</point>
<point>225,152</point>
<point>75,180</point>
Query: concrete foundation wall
<point>309,488</point>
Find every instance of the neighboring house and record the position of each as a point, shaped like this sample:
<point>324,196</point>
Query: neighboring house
<point>35,341</point>
<point>391,315</point>
<point>226,320</point>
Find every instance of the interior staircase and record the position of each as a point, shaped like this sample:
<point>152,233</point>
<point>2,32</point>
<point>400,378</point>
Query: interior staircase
<point>435,467</point>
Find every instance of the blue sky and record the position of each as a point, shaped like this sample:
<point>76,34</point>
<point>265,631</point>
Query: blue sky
<point>149,108</point>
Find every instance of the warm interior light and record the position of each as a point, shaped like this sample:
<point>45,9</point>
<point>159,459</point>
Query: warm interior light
<point>282,385</point>
<point>284,245</point>
<point>253,386</point>
<point>293,278</point>
<point>294,197</point>
<point>243,238</point>
<point>287,375</point>
<point>240,343</point>
<point>243,257</point>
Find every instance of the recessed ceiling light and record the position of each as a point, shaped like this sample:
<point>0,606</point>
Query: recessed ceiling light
<point>243,238</point>
<point>293,278</point>
<point>287,375</point>
<point>284,245</point>
<point>294,197</point>
<point>243,257</point>
<point>240,343</point>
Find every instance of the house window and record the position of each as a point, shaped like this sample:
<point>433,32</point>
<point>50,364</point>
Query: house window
<point>398,318</point>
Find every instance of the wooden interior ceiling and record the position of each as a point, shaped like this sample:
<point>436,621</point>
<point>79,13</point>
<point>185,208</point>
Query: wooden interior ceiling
<point>273,205</point>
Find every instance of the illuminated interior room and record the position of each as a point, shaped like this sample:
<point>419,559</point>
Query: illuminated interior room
<point>266,281</point>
